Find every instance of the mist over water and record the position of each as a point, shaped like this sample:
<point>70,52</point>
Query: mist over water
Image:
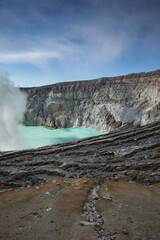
<point>12,108</point>
<point>16,137</point>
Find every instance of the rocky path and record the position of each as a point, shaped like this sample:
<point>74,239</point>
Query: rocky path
<point>131,154</point>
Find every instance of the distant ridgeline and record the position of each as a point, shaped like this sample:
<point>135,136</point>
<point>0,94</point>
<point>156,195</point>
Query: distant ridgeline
<point>103,104</point>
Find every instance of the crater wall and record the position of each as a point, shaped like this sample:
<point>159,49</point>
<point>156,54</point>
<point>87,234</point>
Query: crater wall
<point>104,104</point>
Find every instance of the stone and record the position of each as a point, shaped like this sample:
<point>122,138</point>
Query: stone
<point>125,232</point>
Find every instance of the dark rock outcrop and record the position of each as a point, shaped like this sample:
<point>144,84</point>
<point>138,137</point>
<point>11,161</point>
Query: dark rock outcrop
<point>104,104</point>
<point>129,154</point>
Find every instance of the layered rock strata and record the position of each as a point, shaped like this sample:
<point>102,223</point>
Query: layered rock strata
<point>104,104</point>
<point>131,154</point>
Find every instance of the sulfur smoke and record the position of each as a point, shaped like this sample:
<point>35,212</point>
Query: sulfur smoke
<point>12,108</point>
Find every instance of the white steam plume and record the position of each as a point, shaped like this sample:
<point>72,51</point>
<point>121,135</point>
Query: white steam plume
<point>12,108</point>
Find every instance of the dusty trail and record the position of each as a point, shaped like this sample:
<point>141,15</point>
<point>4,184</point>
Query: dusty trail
<point>81,209</point>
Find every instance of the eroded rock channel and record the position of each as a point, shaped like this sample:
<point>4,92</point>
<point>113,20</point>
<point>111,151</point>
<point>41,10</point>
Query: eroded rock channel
<point>94,217</point>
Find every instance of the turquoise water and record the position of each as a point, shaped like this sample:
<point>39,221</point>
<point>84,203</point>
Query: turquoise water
<point>39,136</point>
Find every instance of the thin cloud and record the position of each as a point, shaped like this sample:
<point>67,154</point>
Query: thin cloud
<point>33,57</point>
<point>89,38</point>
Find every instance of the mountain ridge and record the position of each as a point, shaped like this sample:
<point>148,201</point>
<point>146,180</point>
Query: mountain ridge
<point>150,73</point>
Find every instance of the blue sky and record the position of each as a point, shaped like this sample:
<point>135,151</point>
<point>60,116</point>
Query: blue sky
<point>48,41</point>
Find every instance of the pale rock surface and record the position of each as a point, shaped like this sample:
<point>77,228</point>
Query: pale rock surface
<point>104,104</point>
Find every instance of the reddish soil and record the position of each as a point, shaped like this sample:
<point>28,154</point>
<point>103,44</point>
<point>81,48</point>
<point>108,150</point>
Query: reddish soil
<point>53,211</point>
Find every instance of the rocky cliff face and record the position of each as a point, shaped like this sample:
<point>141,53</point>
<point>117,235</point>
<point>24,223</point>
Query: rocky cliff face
<point>104,104</point>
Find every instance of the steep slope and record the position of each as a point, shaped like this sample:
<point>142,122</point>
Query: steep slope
<point>128,154</point>
<point>104,104</point>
